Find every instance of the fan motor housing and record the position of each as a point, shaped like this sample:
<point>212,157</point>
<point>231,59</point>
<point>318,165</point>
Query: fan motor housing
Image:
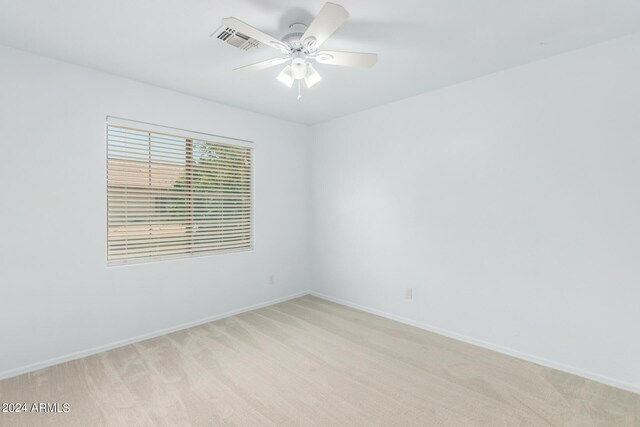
<point>293,38</point>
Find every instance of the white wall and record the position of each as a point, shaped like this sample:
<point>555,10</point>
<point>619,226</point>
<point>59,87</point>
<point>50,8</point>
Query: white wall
<point>57,297</point>
<point>510,204</point>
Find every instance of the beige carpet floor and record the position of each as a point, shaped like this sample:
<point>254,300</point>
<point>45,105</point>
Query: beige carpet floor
<point>311,362</point>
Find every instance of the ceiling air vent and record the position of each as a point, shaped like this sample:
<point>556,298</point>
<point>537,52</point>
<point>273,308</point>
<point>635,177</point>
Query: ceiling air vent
<point>235,38</point>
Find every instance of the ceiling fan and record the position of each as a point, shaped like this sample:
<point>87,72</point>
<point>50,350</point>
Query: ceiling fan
<point>299,48</point>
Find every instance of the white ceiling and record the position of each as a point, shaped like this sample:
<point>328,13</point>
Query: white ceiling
<point>422,44</point>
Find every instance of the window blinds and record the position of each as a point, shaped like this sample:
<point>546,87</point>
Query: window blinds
<point>173,195</point>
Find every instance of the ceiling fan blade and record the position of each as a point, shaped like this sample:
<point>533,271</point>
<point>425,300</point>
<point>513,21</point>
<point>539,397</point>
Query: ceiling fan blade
<point>330,18</point>
<point>262,65</point>
<point>254,33</point>
<point>347,59</point>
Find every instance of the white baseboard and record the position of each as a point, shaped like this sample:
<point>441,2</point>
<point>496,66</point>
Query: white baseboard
<point>500,349</point>
<point>634,388</point>
<point>91,351</point>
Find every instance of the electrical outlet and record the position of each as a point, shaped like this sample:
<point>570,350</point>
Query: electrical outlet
<point>272,279</point>
<point>408,293</point>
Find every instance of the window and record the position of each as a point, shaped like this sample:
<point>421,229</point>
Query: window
<point>173,194</point>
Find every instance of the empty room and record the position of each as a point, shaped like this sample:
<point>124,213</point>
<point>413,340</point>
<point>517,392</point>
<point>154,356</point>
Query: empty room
<point>311,213</point>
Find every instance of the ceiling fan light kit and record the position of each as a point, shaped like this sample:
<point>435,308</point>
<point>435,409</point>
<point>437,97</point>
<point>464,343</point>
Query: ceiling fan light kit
<point>299,47</point>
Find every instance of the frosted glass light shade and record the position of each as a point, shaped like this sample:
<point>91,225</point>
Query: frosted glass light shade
<point>312,77</point>
<point>285,76</point>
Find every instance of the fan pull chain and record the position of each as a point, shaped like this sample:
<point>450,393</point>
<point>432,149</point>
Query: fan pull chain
<point>299,94</point>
